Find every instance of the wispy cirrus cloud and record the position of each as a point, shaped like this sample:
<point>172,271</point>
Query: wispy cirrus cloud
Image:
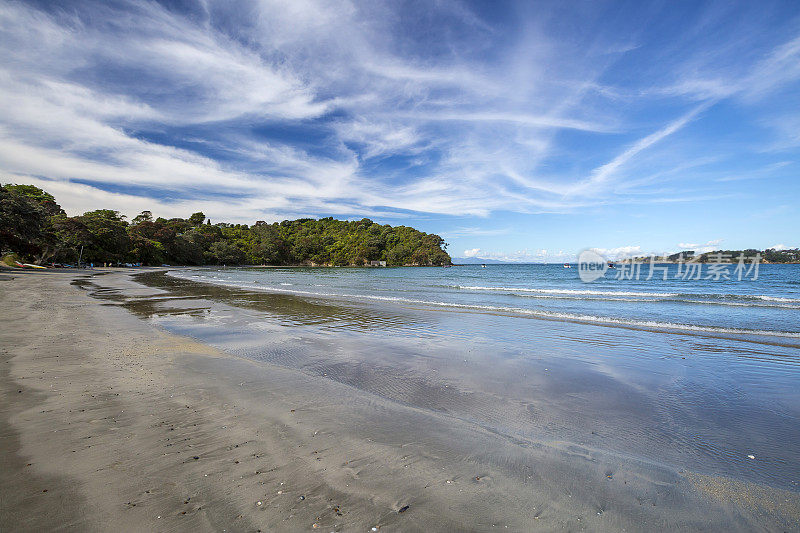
<point>476,231</point>
<point>604,172</point>
<point>261,109</point>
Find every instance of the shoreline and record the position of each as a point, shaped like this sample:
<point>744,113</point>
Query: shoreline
<point>113,412</point>
<point>767,337</point>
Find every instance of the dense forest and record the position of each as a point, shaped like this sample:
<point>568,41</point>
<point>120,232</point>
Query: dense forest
<point>35,228</point>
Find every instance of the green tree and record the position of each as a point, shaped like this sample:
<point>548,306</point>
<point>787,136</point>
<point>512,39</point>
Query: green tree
<point>144,216</point>
<point>225,253</point>
<point>32,224</point>
<point>25,221</point>
<point>197,218</point>
<point>103,235</point>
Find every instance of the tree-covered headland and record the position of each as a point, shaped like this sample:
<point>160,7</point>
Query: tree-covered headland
<point>36,228</point>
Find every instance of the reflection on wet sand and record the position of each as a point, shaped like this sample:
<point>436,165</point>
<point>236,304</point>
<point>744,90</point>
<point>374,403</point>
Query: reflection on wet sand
<point>682,401</point>
<point>182,296</point>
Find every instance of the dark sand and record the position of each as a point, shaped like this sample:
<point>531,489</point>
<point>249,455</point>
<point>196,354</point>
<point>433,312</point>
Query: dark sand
<point>108,423</point>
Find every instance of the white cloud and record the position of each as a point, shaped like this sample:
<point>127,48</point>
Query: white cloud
<point>298,61</point>
<point>603,173</point>
<point>472,252</point>
<point>779,67</point>
<point>525,256</point>
<point>178,109</point>
<point>701,248</point>
<point>379,137</point>
<point>474,231</point>
<point>620,252</point>
<point>518,118</point>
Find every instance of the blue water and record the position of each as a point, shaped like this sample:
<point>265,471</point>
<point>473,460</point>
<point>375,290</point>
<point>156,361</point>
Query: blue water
<point>766,306</point>
<point>697,375</point>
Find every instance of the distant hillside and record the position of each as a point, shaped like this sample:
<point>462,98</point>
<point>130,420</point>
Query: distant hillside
<point>34,226</point>
<point>770,255</point>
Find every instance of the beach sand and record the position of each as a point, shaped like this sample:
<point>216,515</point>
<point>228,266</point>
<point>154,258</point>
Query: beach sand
<point>110,423</point>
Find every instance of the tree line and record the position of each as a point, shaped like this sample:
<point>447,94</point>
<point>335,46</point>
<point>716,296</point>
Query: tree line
<point>36,228</point>
<point>770,255</point>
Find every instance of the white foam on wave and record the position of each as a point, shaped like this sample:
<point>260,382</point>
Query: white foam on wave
<point>584,297</point>
<point>653,324</point>
<point>640,294</point>
<point>765,305</point>
<point>770,304</point>
<point>570,291</point>
<point>777,299</point>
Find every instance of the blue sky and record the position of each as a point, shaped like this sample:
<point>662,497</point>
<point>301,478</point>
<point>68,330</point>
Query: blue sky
<point>516,130</point>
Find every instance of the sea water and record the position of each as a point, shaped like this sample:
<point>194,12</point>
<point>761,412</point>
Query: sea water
<point>696,375</point>
<point>767,305</point>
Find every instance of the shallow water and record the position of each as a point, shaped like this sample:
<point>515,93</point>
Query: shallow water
<point>768,305</point>
<point>687,400</point>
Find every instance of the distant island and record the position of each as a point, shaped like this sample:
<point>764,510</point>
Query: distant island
<point>35,229</point>
<point>770,255</point>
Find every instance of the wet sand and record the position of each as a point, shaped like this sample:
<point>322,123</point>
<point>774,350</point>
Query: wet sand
<point>109,422</point>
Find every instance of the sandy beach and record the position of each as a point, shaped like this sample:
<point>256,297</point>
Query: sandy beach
<point>356,266</point>
<point>108,422</point>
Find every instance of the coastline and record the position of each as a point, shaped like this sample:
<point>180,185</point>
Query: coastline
<point>113,412</point>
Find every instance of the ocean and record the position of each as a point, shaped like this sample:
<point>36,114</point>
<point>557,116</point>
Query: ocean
<point>768,305</point>
<point>692,376</point>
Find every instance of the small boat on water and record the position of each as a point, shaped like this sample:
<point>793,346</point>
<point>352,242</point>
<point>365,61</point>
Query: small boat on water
<point>483,266</point>
<point>567,265</point>
<point>611,265</point>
